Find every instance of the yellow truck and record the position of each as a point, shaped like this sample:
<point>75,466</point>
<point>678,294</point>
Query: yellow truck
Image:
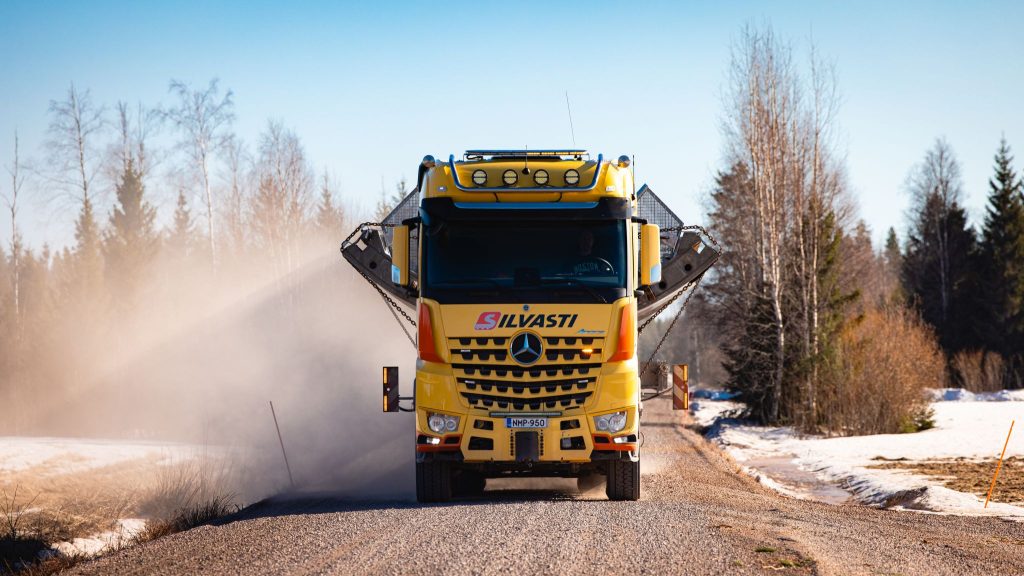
<point>529,273</point>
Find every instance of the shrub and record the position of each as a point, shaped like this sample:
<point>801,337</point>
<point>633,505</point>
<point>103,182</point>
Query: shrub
<point>883,364</point>
<point>978,371</point>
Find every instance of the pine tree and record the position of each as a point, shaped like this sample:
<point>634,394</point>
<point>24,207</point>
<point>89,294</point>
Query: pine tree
<point>1001,264</point>
<point>131,241</point>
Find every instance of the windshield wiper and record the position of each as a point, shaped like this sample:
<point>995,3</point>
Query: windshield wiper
<point>574,282</point>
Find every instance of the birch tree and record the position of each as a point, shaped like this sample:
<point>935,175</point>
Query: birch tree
<point>203,117</point>
<point>781,204</point>
<point>15,246</point>
<point>75,126</point>
<point>134,129</point>
<point>282,199</point>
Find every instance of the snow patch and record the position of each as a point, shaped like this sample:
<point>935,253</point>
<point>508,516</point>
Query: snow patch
<point>126,530</point>
<point>961,395</point>
<point>966,426</point>
<point>70,455</point>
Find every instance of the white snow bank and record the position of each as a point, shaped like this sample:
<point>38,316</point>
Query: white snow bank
<point>70,455</point>
<point>961,395</point>
<point>964,428</point>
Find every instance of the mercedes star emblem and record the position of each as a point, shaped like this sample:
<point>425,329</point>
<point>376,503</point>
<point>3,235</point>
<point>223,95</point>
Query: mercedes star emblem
<point>526,348</point>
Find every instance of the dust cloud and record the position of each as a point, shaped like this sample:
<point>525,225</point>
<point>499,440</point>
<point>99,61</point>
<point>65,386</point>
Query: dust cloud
<point>203,371</point>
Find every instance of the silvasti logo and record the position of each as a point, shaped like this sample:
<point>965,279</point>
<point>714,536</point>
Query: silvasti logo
<point>492,320</point>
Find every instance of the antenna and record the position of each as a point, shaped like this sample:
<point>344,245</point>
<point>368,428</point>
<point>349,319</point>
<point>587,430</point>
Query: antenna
<point>569,108</point>
<point>526,161</point>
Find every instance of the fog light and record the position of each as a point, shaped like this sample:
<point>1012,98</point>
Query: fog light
<point>479,177</point>
<point>621,439</point>
<point>433,440</point>
<point>540,177</point>
<point>510,177</point>
<point>566,443</point>
<point>572,178</point>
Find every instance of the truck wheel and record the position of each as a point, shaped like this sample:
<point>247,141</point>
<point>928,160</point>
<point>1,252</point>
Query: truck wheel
<point>623,480</point>
<point>469,483</point>
<point>433,481</point>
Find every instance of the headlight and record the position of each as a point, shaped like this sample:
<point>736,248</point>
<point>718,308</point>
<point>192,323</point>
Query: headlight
<point>540,177</point>
<point>436,423</point>
<point>441,423</point>
<point>479,177</point>
<point>616,422</point>
<point>611,422</point>
<point>509,177</point>
<point>572,177</point>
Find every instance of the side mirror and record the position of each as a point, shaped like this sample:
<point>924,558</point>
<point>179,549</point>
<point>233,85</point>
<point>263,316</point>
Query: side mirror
<point>400,256</point>
<point>391,389</point>
<point>650,254</point>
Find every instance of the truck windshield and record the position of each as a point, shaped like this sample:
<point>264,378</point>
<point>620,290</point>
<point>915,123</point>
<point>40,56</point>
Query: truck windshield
<point>525,261</point>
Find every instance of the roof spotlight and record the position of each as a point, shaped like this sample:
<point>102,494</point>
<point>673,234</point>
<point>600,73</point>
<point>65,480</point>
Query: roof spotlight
<point>479,177</point>
<point>572,177</point>
<point>623,161</point>
<point>510,177</point>
<point>428,161</point>
<point>540,177</point>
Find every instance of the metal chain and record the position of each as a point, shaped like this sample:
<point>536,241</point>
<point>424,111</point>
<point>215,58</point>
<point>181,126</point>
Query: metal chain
<point>394,305</point>
<point>679,313</point>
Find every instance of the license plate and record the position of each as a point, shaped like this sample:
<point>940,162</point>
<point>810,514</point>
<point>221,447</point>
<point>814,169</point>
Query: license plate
<point>526,422</point>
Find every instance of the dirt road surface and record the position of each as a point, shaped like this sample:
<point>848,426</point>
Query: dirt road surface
<point>698,515</point>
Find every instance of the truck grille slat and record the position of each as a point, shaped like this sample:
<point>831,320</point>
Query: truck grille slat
<point>564,378</point>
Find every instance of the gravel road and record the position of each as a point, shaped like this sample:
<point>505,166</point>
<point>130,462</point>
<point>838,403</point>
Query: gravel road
<point>698,515</point>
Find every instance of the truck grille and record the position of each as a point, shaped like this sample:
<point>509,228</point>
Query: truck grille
<point>564,378</point>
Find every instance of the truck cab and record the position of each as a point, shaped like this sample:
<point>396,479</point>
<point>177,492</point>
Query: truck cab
<point>528,270</point>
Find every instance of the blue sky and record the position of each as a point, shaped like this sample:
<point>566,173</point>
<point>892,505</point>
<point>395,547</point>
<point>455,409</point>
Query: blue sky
<point>372,87</point>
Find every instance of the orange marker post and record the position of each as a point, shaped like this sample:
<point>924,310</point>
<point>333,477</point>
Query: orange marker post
<point>1000,465</point>
<point>680,387</point>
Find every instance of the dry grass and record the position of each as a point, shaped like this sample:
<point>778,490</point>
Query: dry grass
<point>40,506</point>
<point>971,476</point>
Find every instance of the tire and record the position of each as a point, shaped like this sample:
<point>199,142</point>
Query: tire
<point>623,480</point>
<point>433,481</point>
<point>469,483</point>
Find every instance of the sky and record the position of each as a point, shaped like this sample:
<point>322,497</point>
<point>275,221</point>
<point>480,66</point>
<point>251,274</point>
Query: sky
<point>370,87</point>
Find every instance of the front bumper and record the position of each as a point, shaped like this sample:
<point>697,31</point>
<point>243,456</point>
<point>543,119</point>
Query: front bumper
<point>569,439</point>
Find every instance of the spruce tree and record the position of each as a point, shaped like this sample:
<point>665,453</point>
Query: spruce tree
<point>329,217</point>
<point>131,240</point>
<point>87,256</point>
<point>892,260</point>
<point>940,263</point>
<point>1001,306</point>
<point>938,272</point>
